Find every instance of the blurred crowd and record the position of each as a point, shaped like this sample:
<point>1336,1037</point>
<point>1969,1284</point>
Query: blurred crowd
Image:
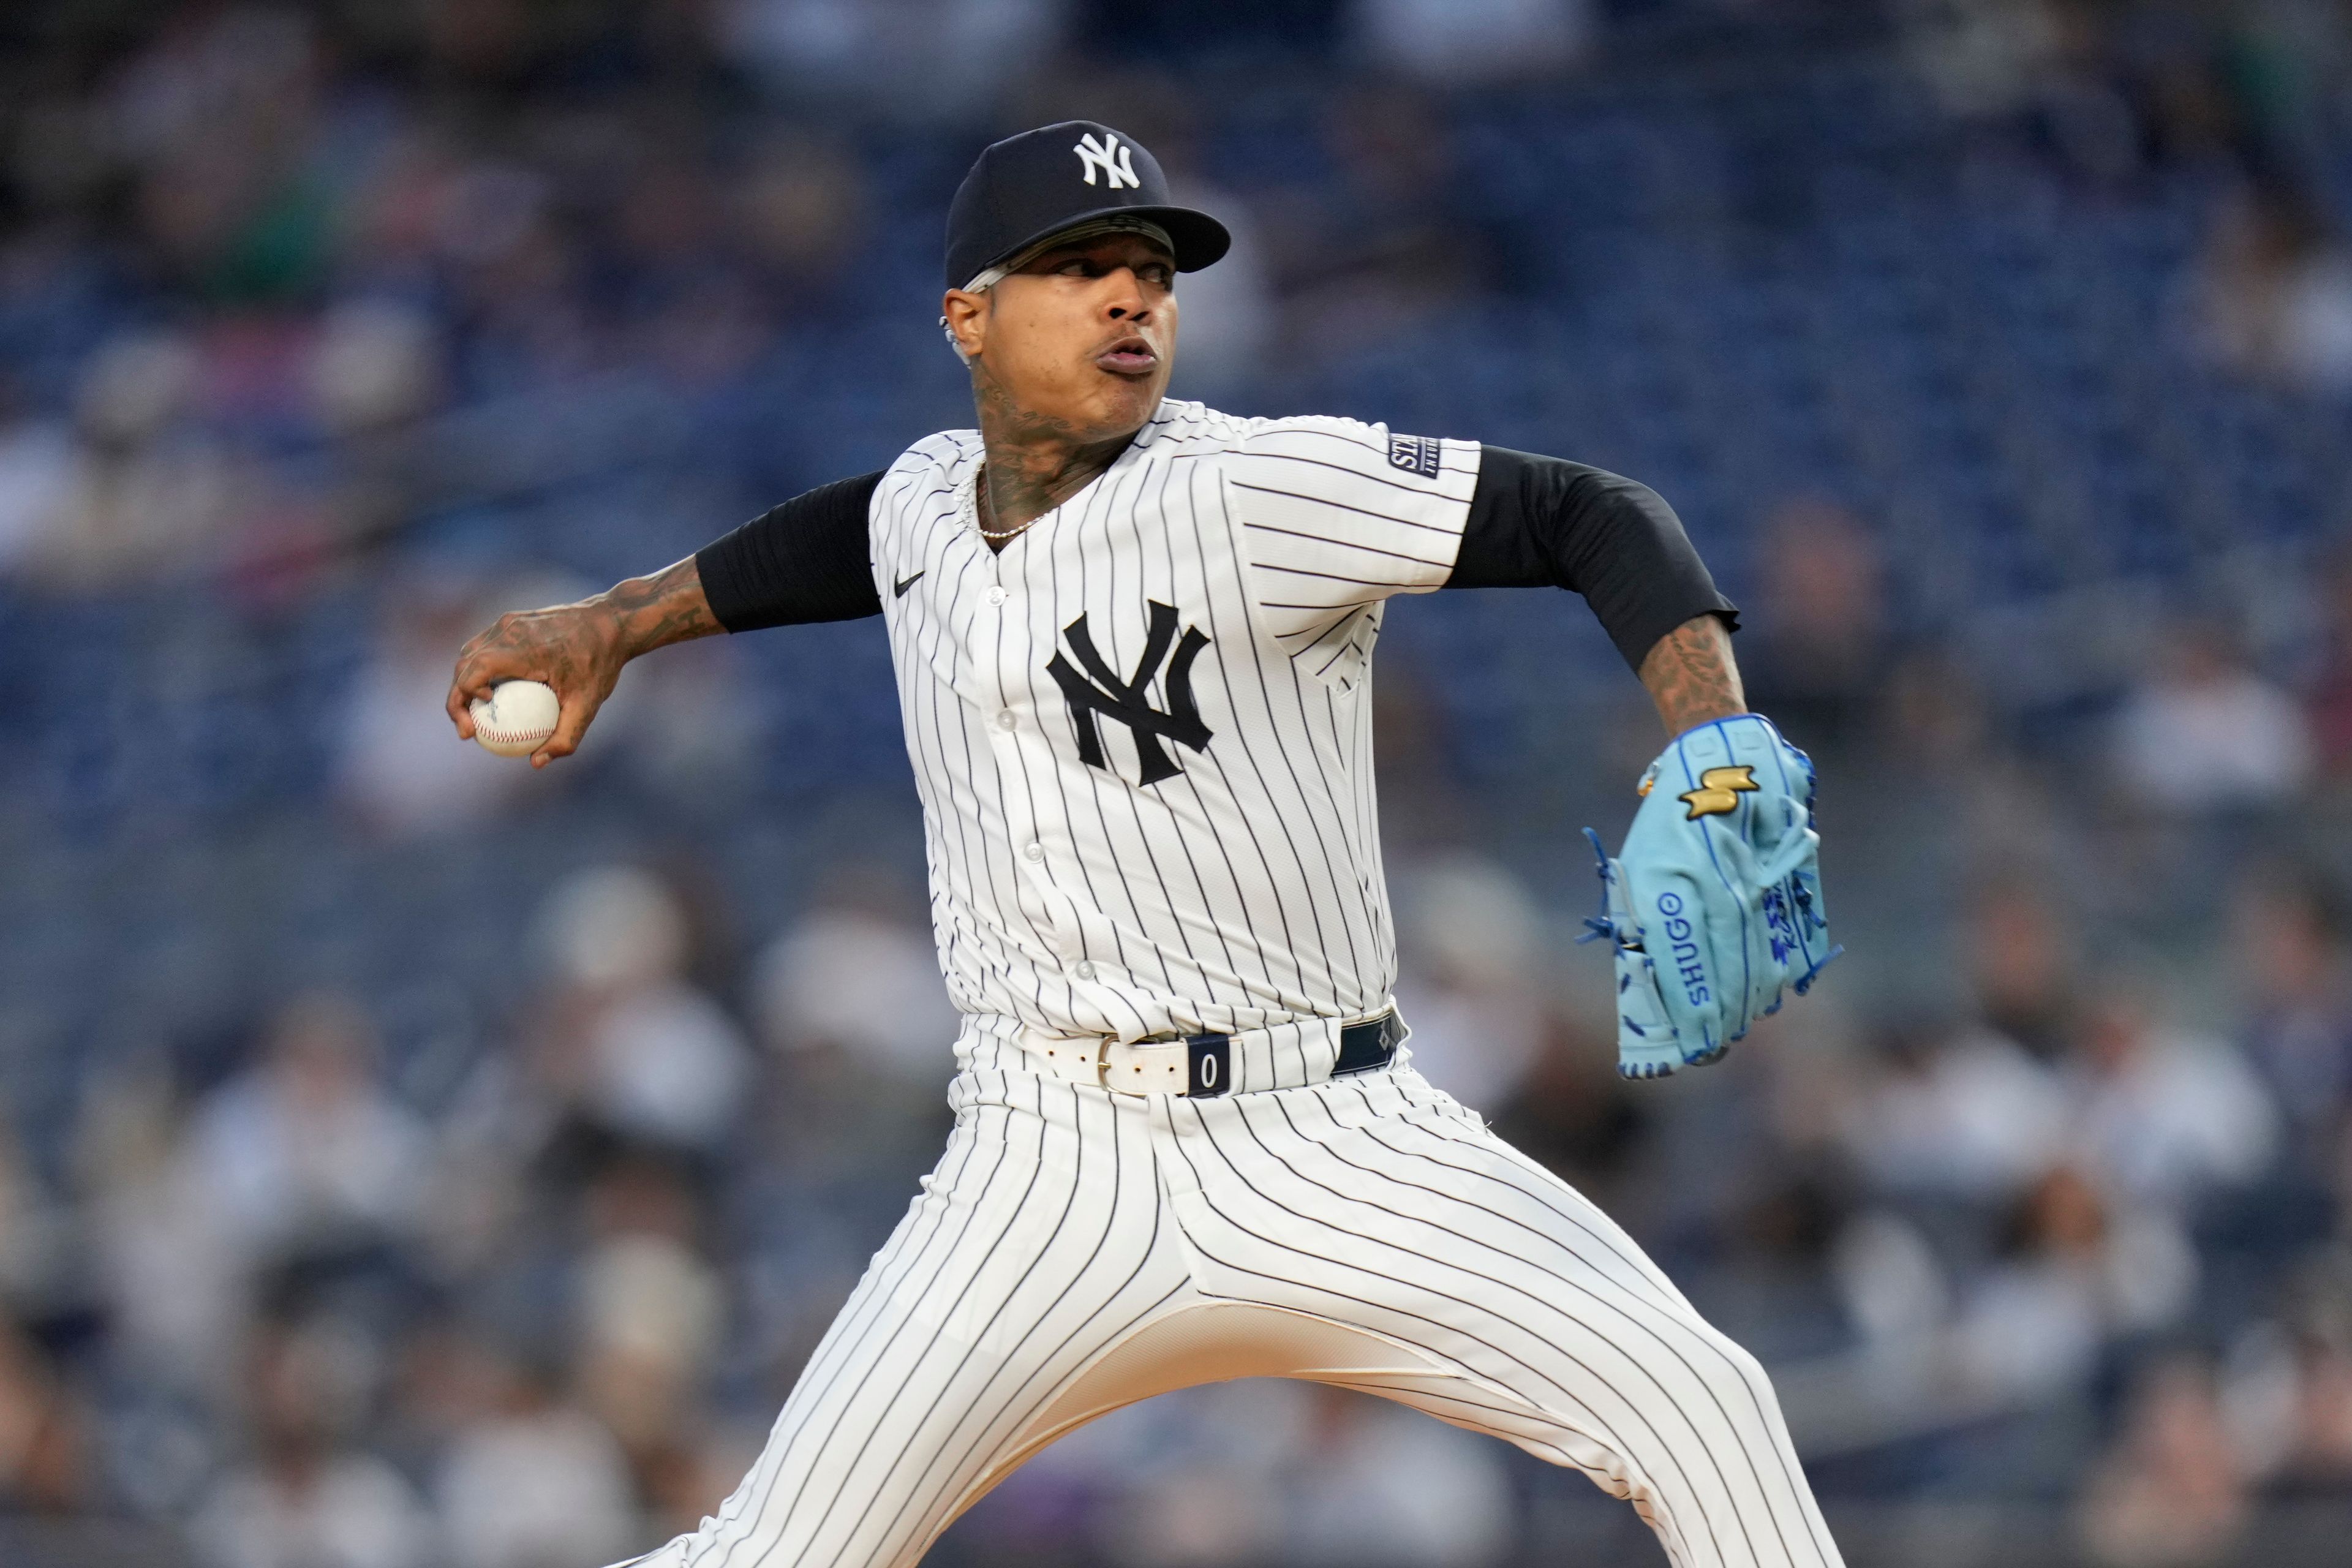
<point>409,1159</point>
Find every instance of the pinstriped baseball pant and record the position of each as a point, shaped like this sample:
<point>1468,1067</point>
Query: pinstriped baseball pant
<point>1076,1251</point>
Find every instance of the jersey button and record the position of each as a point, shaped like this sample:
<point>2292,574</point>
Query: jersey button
<point>1034,851</point>
<point>1085,969</point>
<point>1005,721</point>
<point>996,595</point>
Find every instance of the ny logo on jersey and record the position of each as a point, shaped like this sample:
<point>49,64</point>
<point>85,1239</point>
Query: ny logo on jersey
<point>1095,692</point>
<point>1111,156</point>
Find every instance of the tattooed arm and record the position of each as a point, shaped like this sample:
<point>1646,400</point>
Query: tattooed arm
<point>579,649</point>
<point>1691,675</point>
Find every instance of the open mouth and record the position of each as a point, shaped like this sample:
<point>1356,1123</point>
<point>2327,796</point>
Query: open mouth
<point>1130,355</point>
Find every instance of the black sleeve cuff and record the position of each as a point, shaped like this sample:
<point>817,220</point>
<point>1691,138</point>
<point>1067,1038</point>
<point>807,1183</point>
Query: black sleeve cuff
<point>807,560</point>
<point>1536,521</point>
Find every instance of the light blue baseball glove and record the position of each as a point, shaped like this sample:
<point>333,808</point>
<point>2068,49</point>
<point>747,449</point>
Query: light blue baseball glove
<point>1716,904</point>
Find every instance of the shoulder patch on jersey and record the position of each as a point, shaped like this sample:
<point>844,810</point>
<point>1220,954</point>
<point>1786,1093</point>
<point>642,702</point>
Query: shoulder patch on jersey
<point>1414,454</point>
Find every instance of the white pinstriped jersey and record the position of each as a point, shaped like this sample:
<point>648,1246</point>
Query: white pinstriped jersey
<point>1142,732</point>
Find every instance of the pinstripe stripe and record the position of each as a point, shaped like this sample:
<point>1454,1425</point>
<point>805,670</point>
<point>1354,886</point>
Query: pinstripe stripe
<point>1323,605</point>
<point>1361,510</point>
<point>1329,544</point>
<point>1334,577</point>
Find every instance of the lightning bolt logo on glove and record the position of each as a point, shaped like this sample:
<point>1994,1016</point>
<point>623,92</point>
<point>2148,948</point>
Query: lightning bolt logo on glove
<point>1716,907</point>
<point>1718,791</point>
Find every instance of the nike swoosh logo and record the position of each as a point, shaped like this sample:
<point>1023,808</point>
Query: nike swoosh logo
<point>898,589</point>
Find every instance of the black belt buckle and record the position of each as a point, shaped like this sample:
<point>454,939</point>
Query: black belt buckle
<point>1208,1065</point>
<point>1369,1045</point>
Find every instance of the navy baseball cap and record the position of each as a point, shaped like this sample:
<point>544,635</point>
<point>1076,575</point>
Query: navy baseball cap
<point>1033,186</point>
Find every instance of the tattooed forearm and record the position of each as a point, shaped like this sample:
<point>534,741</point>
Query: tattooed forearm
<point>666,607</point>
<point>1691,675</point>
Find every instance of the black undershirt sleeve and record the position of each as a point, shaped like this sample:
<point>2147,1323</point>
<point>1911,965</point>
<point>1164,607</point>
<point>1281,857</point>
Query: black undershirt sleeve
<point>804,560</point>
<point>1545,520</point>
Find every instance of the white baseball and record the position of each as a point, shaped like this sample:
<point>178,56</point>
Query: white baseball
<point>516,718</point>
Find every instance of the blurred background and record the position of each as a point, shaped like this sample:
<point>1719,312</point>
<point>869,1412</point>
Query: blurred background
<point>408,1159</point>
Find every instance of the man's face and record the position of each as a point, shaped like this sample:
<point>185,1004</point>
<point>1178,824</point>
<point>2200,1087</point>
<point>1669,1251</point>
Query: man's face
<point>1081,337</point>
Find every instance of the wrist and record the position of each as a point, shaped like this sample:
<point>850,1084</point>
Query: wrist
<point>1693,726</point>
<point>1682,720</point>
<point>627,623</point>
<point>1691,676</point>
<point>647,613</point>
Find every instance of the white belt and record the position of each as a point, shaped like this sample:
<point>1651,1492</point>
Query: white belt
<point>1284,1056</point>
<point>1154,1067</point>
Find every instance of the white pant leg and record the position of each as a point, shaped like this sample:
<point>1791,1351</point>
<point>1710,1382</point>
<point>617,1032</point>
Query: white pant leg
<point>1037,1245</point>
<point>1377,1203</point>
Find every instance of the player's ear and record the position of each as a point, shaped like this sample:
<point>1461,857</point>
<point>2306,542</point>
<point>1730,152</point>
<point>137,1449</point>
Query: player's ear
<point>965,315</point>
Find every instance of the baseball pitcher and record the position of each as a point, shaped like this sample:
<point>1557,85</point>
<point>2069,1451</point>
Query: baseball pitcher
<point>1133,643</point>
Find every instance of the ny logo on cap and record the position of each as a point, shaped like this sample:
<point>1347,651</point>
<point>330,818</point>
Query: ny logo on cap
<point>1111,156</point>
